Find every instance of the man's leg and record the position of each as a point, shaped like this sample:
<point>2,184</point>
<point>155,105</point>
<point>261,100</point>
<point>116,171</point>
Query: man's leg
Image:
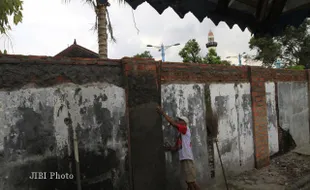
<point>192,176</point>
<point>188,186</point>
<point>191,186</point>
<point>196,187</point>
<point>189,173</point>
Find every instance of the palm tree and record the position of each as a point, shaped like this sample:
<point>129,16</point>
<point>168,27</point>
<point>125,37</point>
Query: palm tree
<point>102,24</point>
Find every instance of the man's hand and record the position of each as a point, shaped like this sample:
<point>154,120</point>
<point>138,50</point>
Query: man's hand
<point>170,120</point>
<point>159,110</point>
<point>167,148</point>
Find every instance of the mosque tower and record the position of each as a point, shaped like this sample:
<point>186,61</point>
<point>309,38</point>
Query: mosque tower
<point>211,43</point>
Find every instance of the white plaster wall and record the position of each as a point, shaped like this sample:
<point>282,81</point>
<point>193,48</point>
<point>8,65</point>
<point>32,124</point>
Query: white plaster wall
<point>56,97</point>
<point>273,138</point>
<point>294,111</point>
<point>235,139</point>
<point>187,100</point>
<point>10,101</point>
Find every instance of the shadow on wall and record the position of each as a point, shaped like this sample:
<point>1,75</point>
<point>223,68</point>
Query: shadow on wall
<point>100,163</point>
<point>31,135</point>
<point>32,144</point>
<point>286,142</point>
<point>293,115</point>
<point>101,133</point>
<point>30,147</point>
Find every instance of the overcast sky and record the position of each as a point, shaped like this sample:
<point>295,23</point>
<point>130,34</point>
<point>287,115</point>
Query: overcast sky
<point>49,26</point>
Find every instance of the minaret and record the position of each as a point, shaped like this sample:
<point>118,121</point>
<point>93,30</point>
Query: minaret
<point>211,43</point>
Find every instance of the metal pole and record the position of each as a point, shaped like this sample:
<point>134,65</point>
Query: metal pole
<point>239,59</point>
<point>77,161</point>
<point>218,151</point>
<point>278,64</point>
<point>162,48</point>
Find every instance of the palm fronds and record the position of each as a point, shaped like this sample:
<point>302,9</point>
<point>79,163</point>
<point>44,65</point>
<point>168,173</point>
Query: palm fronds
<point>110,28</point>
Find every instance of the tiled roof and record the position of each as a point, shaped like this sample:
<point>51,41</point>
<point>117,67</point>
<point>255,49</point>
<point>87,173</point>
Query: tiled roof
<point>76,50</point>
<point>259,16</point>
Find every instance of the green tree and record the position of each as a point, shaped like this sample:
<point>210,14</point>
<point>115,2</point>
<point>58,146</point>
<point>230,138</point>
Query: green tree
<point>212,57</point>
<point>10,8</point>
<point>4,52</point>
<point>268,50</point>
<point>292,47</point>
<point>145,54</point>
<point>102,24</point>
<point>296,67</point>
<point>225,62</point>
<point>191,52</point>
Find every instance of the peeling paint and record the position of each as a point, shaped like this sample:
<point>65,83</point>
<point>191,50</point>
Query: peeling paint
<point>35,120</point>
<point>273,136</point>
<point>294,111</point>
<point>187,100</point>
<point>233,104</point>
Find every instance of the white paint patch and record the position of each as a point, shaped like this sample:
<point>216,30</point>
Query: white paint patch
<point>233,105</point>
<point>294,110</point>
<point>56,97</point>
<point>11,101</point>
<point>114,105</point>
<point>273,138</point>
<point>189,100</point>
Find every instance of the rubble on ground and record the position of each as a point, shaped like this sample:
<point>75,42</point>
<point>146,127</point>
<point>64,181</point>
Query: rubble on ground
<point>283,171</point>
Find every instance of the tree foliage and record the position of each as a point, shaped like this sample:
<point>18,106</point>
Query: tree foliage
<point>10,8</point>
<point>225,62</point>
<point>4,52</point>
<point>296,67</point>
<point>191,54</point>
<point>145,54</point>
<point>292,47</point>
<point>212,57</point>
<point>96,4</point>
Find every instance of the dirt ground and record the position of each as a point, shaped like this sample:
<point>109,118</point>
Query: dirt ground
<point>282,172</point>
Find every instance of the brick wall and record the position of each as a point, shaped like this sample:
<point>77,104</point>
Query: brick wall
<point>146,137</point>
<point>257,76</point>
<point>142,79</point>
<point>259,114</point>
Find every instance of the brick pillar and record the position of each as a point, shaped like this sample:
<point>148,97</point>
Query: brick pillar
<point>259,110</point>
<point>145,125</point>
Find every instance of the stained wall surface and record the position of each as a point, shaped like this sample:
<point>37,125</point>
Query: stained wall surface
<point>294,110</point>
<point>111,107</point>
<point>232,102</point>
<point>186,100</point>
<point>36,134</point>
<point>273,134</point>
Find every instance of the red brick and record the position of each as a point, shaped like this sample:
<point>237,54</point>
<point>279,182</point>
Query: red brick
<point>141,67</point>
<point>259,110</point>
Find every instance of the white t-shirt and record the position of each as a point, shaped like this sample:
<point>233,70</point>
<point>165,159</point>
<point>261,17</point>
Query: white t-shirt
<point>185,153</point>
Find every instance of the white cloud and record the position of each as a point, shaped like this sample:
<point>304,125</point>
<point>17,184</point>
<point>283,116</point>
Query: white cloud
<point>50,26</point>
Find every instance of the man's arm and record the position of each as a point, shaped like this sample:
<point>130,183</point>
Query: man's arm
<point>181,128</point>
<point>169,119</point>
<point>176,147</point>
